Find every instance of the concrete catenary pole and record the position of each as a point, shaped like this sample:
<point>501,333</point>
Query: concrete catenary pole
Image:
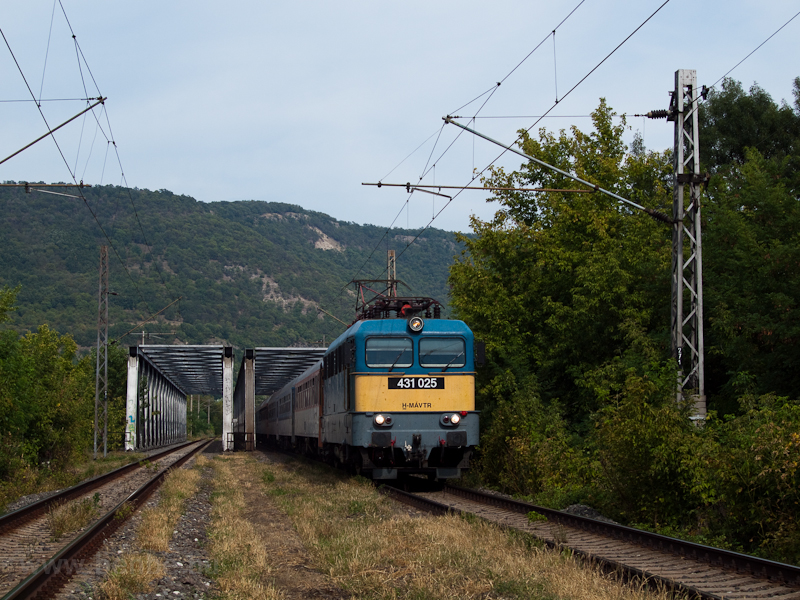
<point>227,398</point>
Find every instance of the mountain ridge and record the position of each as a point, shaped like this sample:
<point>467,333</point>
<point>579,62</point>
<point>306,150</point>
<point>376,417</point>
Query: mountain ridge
<point>251,272</point>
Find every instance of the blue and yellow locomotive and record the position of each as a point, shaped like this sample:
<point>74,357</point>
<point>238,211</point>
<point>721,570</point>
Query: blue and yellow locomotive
<point>391,396</point>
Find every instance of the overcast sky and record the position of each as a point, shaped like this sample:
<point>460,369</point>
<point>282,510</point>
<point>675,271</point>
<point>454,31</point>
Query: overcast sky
<point>301,102</point>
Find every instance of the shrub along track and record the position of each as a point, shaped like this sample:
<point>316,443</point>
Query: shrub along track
<point>709,573</point>
<point>26,539</point>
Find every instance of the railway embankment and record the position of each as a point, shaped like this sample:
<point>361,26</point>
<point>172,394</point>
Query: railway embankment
<point>267,525</point>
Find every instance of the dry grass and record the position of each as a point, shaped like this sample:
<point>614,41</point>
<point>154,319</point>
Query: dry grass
<point>241,565</point>
<point>39,480</point>
<point>65,517</point>
<point>372,552</point>
<point>158,523</point>
<point>113,460</point>
<point>132,574</point>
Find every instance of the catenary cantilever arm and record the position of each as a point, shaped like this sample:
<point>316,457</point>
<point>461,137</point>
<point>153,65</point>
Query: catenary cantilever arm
<point>653,213</point>
<point>52,131</point>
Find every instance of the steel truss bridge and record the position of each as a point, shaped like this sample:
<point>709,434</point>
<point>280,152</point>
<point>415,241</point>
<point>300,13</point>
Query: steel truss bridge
<point>161,377</point>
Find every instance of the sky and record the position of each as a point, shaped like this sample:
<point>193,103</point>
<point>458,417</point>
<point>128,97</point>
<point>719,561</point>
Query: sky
<point>302,102</point>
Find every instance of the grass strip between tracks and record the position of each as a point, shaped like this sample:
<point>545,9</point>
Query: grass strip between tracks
<point>373,549</point>
<point>241,565</point>
<point>68,516</point>
<point>134,571</point>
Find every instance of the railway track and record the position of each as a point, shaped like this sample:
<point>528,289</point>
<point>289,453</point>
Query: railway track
<point>33,564</point>
<point>699,571</point>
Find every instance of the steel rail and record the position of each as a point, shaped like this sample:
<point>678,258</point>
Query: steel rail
<point>727,559</point>
<point>19,517</point>
<point>730,561</point>
<point>53,574</point>
<point>625,572</point>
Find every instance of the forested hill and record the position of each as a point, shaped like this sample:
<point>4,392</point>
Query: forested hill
<point>251,273</point>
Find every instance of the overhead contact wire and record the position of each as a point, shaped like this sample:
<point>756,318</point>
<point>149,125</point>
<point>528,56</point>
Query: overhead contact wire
<point>455,139</point>
<point>410,154</point>
<point>597,66</point>
<point>110,137</point>
<point>47,51</point>
<point>66,163</point>
<point>82,59</point>
<point>491,92</point>
<point>555,65</point>
<point>757,47</point>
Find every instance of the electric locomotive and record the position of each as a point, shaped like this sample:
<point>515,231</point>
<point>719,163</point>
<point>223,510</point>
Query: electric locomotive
<point>391,396</point>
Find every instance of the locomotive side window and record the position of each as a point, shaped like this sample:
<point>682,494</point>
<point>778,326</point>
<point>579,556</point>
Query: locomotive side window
<point>390,352</point>
<point>442,352</point>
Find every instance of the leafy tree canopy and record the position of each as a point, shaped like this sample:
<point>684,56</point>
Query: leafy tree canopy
<point>732,120</point>
<point>7,298</point>
<point>560,283</point>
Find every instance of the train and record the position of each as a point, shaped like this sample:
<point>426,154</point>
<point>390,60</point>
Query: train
<point>390,397</point>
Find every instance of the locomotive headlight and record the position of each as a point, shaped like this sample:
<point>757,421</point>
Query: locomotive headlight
<point>382,420</point>
<point>450,419</point>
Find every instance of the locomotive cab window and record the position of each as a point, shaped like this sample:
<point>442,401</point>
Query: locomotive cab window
<point>442,352</point>
<point>390,352</point>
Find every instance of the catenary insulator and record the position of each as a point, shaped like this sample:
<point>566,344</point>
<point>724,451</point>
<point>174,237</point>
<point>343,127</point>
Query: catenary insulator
<point>658,114</point>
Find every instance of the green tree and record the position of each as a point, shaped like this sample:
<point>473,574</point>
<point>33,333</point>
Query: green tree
<point>732,120</point>
<point>44,409</point>
<point>755,474</point>
<point>117,389</point>
<point>752,280</point>
<point>556,280</point>
<point>8,297</point>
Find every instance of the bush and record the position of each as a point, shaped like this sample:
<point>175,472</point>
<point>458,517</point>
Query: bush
<point>757,477</point>
<point>526,447</point>
<point>46,403</point>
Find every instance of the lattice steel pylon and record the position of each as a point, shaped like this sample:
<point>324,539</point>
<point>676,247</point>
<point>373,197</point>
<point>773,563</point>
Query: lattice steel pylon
<point>101,377</point>
<point>391,268</point>
<point>687,256</point>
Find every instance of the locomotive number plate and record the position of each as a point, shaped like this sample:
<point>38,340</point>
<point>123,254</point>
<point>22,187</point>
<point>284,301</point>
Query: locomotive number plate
<point>416,383</point>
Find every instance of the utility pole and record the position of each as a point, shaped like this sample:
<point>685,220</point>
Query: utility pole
<point>391,269</point>
<point>101,373</point>
<point>687,256</point>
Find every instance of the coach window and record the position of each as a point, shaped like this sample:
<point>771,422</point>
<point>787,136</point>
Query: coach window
<point>442,352</point>
<point>390,352</point>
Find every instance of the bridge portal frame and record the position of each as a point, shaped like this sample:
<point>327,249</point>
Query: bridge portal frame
<point>155,408</point>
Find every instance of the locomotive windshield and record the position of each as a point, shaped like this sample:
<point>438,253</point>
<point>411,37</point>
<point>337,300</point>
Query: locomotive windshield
<point>442,352</point>
<point>390,352</point>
